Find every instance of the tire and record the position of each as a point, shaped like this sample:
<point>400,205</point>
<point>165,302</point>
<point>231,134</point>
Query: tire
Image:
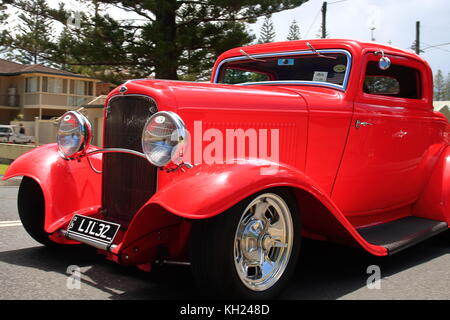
<point>226,251</point>
<point>31,207</point>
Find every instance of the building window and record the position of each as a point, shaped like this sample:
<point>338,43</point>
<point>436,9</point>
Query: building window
<point>80,88</point>
<point>53,85</point>
<point>89,88</point>
<point>72,87</point>
<point>32,84</point>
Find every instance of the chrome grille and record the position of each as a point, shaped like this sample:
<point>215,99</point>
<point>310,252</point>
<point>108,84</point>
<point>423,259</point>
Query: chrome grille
<point>128,181</point>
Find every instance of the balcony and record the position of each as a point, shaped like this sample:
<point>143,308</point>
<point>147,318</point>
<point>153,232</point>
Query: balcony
<point>43,100</point>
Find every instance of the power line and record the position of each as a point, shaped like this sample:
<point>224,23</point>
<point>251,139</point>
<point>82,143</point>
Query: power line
<point>437,45</point>
<point>337,1</point>
<point>315,18</point>
<point>434,47</point>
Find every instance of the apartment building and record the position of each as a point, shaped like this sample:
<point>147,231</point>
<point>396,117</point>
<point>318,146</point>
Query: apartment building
<point>39,91</point>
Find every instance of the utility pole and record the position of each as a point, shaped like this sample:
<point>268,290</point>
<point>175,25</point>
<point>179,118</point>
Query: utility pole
<point>324,20</point>
<point>417,37</point>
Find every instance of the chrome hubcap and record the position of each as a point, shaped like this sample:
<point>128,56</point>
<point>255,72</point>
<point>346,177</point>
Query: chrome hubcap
<point>263,242</point>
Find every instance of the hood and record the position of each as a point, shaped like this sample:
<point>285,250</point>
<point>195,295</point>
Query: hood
<point>181,95</point>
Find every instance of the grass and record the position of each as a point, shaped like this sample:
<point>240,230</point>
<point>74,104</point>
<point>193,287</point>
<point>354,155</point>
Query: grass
<point>3,168</point>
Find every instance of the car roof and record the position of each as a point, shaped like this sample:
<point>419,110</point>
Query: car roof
<point>298,45</point>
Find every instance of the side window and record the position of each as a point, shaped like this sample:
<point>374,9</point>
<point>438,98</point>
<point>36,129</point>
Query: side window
<point>397,81</point>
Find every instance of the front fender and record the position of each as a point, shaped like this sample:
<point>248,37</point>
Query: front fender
<point>68,186</point>
<point>207,190</point>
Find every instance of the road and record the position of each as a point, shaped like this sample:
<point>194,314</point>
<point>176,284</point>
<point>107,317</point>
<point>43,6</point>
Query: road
<point>326,271</point>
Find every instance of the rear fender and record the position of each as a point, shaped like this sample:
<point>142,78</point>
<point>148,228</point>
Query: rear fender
<point>206,191</point>
<point>68,186</point>
<point>434,203</point>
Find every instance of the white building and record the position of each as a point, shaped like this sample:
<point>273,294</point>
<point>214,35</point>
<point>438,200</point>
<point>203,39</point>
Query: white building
<point>443,107</point>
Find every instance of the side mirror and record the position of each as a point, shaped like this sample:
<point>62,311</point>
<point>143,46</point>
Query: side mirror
<point>384,63</point>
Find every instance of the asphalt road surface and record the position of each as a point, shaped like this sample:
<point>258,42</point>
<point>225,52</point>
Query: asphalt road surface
<point>326,271</point>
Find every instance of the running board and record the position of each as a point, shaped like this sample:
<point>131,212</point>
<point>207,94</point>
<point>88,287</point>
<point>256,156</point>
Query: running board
<point>403,233</point>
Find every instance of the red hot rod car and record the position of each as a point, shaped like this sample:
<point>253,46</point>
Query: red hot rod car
<point>327,139</point>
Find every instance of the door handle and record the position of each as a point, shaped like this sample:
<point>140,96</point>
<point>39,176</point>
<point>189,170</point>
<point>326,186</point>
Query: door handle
<point>360,123</point>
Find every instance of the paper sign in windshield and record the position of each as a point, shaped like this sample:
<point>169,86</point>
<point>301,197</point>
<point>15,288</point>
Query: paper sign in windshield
<point>320,76</point>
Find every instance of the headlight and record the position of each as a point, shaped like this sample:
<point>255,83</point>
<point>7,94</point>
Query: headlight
<point>164,138</point>
<point>74,134</point>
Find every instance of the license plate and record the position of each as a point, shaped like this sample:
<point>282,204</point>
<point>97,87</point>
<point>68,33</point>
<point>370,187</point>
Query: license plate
<point>93,229</point>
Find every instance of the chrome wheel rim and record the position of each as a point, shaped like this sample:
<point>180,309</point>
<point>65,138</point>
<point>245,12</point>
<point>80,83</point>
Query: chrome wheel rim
<point>263,242</point>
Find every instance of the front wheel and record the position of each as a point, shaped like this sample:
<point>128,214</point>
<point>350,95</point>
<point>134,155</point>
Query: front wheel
<point>249,251</point>
<point>31,207</point>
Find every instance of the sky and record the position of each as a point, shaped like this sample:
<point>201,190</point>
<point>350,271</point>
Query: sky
<point>394,20</point>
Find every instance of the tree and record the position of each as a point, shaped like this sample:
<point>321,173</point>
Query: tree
<point>31,42</point>
<point>3,31</point>
<point>92,44</point>
<point>413,47</point>
<point>294,31</point>
<point>319,33</point>
<point>439,86</point>
<point>267,33</point>
<point>447,88</point>
<point>187,35</point>
<point>169,38</point>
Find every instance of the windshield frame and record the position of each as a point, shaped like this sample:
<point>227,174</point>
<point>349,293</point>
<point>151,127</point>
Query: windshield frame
<point>342,87</point>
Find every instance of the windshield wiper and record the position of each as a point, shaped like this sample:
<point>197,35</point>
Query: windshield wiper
<point>250,57</point>
<point>318,53</point>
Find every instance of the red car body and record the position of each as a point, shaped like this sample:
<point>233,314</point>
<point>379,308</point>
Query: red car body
<point>345,177</point>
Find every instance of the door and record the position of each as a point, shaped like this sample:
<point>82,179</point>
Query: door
<point>384,163</point>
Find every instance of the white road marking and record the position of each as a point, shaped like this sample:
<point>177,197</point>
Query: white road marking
<point>13,223</point>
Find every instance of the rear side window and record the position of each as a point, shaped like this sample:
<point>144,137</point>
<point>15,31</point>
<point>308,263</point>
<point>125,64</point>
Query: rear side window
<point>397,81</point>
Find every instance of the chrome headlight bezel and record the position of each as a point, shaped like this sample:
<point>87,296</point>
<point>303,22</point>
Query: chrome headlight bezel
<point>84,131</point>
<point>178,139</point>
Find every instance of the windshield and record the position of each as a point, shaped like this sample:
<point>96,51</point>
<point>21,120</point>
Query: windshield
<point>5,130</point>
<point>327,68</point>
